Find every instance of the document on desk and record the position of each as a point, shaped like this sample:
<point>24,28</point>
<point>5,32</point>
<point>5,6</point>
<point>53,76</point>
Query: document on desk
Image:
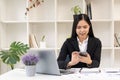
<point>91,74</point>
<point>111,70</point>
<point>90,70</point>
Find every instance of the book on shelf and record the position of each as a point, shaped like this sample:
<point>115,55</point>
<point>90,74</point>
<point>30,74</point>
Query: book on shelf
<point>33,41</point>
<point>88,8</point>
<point>117,39</point>
<point>89,12</point>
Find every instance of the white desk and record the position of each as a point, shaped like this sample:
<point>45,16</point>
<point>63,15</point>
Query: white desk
<point>19,74</point>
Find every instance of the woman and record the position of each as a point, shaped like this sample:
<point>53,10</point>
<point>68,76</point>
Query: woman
<point>82,40</point>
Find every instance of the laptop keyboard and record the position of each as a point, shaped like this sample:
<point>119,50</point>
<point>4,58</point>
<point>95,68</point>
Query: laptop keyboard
<point>63,71</point>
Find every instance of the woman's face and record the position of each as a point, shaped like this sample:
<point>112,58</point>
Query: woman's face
<point>82,29</point>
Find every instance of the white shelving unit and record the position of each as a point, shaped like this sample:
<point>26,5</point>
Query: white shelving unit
<point>54,19</point>
<point>116,19</point>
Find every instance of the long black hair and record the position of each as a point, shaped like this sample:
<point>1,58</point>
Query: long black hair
<point>77,18</point>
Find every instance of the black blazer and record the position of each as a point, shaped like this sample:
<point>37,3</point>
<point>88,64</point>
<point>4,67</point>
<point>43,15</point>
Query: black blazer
<point>71,44</point>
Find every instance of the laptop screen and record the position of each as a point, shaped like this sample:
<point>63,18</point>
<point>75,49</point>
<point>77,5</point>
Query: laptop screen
<point>47,61</point>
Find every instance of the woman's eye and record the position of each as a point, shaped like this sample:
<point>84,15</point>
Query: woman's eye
<point>85,27</point>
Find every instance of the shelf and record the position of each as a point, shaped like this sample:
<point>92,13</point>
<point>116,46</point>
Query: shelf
<point>117,58</point>
<point>117,20</point>
<point>9,32</point>
<point>103,30</point>
<point>45,11</point>
<point>106,58</point>
<point>4,21</point>
<point>42,48</point>
<point>63,32</point>
<point>107,48</point>
<point>116,9</point>
<point>117,48</point>
<point>101,9</point>
<point>116,27</point>
<point>64,21</point>
<point>54,19</point>
<point>40,29</point>
<point>64,12</point>
<point>41,21</point>
<point>101,20</point>
<point>10,10</point>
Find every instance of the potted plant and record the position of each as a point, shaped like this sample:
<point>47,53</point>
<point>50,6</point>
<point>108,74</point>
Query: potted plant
<point>33,4</point>
<point>42,42</point>
<point>76,10</point>
<point>30,61</point>
<point>12,56</point>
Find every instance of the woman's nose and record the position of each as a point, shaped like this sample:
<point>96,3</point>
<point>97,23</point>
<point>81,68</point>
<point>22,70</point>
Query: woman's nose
<point>81,29</point>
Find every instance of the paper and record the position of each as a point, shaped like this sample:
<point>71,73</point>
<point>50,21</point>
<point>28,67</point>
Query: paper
<point>90,70</point>
<point>111,70</point>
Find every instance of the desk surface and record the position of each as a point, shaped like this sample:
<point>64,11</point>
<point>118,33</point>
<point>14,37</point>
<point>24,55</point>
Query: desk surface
<point>19,74</point>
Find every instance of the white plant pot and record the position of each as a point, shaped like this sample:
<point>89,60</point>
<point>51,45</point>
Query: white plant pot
<point>30,70</point>
<point>42,44</point>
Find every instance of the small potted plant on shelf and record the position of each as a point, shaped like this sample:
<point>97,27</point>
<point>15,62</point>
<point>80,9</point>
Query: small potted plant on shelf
<point>76,10</point>
<point>30,61</point>
<point>42,42</point>
<point>12,56</point>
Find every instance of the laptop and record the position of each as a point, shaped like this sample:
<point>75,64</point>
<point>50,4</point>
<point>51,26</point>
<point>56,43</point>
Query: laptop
<point>48,62</point>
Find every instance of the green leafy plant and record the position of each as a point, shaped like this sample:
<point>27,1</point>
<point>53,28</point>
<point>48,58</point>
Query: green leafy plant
<point>68,36</point>
<point>76,9</point>
<point>12,56</point>
<point>43,38</point>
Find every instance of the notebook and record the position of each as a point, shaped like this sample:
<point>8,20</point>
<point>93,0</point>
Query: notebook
<point>111,70</point>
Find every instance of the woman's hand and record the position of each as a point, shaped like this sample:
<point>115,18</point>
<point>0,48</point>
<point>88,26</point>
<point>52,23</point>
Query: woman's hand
<point>86,59</point>
<point>75,59</point>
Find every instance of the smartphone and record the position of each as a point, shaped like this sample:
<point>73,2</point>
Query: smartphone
<point>83,54</point>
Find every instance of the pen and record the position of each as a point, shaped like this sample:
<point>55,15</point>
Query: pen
<point>80,70</point>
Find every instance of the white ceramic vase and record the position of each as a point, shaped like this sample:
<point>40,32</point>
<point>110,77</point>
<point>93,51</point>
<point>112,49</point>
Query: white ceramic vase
<point>42,44</point>
<point>30,70</point>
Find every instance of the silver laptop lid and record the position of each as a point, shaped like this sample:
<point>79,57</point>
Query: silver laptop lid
<point>47,62</point>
